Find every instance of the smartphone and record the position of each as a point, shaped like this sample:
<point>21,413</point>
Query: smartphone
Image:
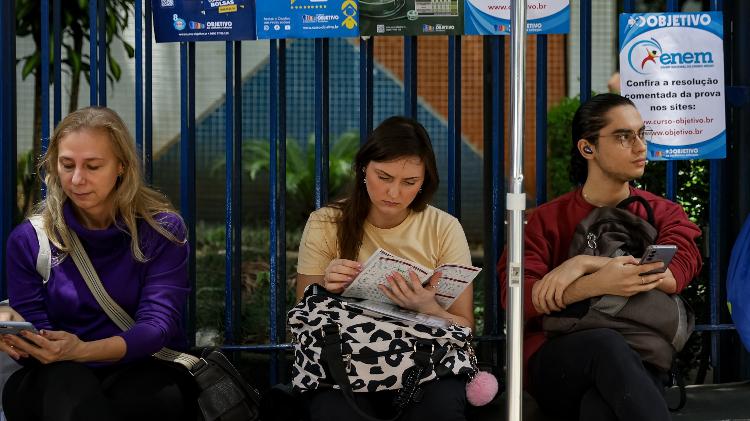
<point>658,253</point>
<point>14,328</point>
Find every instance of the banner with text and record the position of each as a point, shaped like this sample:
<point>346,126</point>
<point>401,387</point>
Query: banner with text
<point>411,17</point>
<point>672,68</point>
<point>307,18</point>
<point>492,17</point>
<point>202,20</point>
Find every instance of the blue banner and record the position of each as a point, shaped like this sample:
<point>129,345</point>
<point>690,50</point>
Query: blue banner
<point>203,20</point>
<point>307,18</point>
<point>672,68</point>
<point>492,17</point>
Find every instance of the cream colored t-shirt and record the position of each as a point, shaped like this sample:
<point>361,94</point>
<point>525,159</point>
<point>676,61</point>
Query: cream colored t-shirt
<point>431,238</point>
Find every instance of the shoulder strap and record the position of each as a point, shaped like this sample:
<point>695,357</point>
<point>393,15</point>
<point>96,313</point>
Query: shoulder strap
<point>44,257</point>
<point>116,313</point>
<point>634,198</point>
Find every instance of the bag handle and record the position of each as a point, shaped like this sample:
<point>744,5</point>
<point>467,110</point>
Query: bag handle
<point>630,199</point>
<point>332,356</point>
<point>113,310</point>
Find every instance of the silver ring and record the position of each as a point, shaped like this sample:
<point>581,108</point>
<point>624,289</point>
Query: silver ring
<point>434,286</point>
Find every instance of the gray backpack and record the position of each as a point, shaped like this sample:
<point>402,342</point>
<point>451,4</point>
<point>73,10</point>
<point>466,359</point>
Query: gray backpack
<point>653,323</point>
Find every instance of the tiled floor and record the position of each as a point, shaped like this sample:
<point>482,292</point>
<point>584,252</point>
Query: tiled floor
<point>729,401</point>
<point>723,402</point>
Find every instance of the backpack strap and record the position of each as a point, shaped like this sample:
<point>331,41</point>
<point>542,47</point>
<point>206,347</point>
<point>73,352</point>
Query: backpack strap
<point>44,257</point>
<point>634,198</point>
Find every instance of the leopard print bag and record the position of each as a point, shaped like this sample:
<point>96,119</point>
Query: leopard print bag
<point>377,352</point>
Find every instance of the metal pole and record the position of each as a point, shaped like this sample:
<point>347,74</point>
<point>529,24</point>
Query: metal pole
<point>515,206</point>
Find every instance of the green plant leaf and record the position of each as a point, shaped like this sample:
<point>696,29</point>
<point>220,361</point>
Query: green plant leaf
<point>114,68</point>
<point>30,64</point>
<point>129,49</point>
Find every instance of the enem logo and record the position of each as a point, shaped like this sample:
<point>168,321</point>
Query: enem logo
<point>647,56</point>
<point>643,54</point>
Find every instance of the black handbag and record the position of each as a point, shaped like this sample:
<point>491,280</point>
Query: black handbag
<point>223,395</point>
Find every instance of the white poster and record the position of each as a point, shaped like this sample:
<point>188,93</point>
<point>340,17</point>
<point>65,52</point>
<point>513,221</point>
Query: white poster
<point>672,68</point>
<point>492,17</point>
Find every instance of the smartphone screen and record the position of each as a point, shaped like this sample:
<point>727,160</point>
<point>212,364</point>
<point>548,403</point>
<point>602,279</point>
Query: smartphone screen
<point>658,253</point>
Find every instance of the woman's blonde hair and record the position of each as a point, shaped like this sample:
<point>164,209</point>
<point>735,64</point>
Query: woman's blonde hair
<point>132,199</point>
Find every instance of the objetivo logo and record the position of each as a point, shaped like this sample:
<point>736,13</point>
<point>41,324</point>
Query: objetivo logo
<point>642,56</point>
<point>179,24</point>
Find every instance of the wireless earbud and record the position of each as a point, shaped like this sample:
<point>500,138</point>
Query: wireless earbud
<point>587,149</point>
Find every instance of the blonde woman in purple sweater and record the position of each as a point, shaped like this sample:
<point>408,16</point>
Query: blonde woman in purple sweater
<point>81,366</point>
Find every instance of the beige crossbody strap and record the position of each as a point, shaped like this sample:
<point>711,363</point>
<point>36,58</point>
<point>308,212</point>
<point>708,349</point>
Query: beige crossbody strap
<point>119,316</point>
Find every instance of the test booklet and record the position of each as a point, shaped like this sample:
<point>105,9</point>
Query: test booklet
<point>453,280</point>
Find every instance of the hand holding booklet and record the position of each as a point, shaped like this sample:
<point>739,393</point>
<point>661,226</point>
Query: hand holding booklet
<point>454,279</point>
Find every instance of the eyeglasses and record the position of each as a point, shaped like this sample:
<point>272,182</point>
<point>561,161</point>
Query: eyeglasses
<point>627,137</point>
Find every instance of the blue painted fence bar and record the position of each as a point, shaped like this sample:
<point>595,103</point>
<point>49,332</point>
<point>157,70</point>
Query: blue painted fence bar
<point>672,6</point>
<point>236,284</point>
<point>45,63</point>
<point>232,205</point>
<point>541,119</point>
<point>57,60</point>
<point>585,51</point>
<point>716,235</point>
<point>7,129</point>
<point>494,165</point>
<point>277,210</point>
<point>322,132</point>
<point>93,50</point>
<point>187,163</point>
<point>410,76</point>
<point>148,117</point>
<point>102,40</point>
<point>454,126</point>
<point>139,77</point>
<point>366,57</point>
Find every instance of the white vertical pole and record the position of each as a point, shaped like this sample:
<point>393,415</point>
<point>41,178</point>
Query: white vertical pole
<point>515,205</point>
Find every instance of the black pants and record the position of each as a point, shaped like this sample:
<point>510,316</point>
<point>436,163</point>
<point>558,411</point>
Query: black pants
<point>595,375</point>
<point>69,391</point>
<point>442,400</point>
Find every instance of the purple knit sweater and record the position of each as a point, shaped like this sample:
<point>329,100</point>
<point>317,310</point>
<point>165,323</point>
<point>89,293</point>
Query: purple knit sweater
<point>153,293</point>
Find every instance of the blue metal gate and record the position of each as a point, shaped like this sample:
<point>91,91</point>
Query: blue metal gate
<point>494,202</point>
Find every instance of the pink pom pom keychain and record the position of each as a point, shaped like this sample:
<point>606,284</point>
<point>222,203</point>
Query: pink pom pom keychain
<point>481,389</point>
<point>483,386</point>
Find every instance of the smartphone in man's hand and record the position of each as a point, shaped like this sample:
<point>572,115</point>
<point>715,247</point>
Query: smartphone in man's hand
<point>658,253</point>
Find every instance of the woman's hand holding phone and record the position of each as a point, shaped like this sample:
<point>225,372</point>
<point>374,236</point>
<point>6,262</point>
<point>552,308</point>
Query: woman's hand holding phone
<point>11,323</point>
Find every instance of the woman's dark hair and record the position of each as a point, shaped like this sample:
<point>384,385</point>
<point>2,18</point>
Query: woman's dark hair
<point>588,120</point>
<point>396,137</point>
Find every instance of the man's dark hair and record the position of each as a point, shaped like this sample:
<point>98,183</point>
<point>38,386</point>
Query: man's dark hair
<point>588,120</point>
